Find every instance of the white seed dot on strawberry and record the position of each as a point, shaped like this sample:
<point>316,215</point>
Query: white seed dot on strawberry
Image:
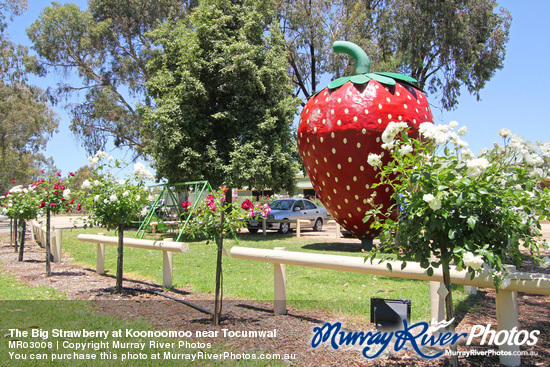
<point>332,135</point>
<point>388,100</point>
<point>364,131</point>
<point>345,141</point>
<point>358,209</point>
<point>348,188</point>
<point>349,159</point>
<point>339,100</point>
<point>389,117</point>
<point>335,179</point>
<point>362,168</point>
<point>339,166</point>
<point>333,150</point>
<point>346,111</point>
<point>380,121</point>
<point>366,112</point>
<point>380,106</point>
<point>339,207</point>
<point>355,118</point>
<point>400,118</point>
<point>339,123</point>
<point>321,140</point>
<point>346,201</point>
<point>355,178</point>
<point>358,145</point>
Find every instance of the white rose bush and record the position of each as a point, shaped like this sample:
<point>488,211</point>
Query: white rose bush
<point>20,203</point>
<point>114,203</point>
<point>452,207</point>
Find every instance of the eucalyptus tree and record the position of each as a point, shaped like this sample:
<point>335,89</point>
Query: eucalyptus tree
<point>102,51</point>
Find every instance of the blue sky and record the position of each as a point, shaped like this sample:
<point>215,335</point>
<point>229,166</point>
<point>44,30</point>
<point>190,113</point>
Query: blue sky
<point>514,98</point>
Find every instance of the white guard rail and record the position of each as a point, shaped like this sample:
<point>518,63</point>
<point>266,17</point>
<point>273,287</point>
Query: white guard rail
<point>167,246</point>
<point>506,299</point>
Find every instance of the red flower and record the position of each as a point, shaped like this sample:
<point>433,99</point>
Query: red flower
<point>41,171</point>
<point>224,188</point>
<point>247,205</point>
<point>13,181</point>
<point>53,204</point>
<point>78,207</point>
<point>72,174</point>
<point>58,174</point>
<point>185,205</point>
<point>56,192</point>
<point>62,187</point>
<point>72,201</point>
<point>68,210</point>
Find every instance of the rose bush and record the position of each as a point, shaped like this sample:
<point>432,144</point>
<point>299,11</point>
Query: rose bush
<point>112,202</point>
<point>454,207</point>
<point>20,203</point>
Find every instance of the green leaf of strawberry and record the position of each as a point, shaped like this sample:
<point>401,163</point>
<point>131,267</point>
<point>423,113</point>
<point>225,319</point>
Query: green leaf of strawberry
<point>342,124</point>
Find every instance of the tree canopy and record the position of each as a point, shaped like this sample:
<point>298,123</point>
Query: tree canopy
<point>107,48</point>
<point>445,45</point>
<point>26,120</point>
<point>224,105</point>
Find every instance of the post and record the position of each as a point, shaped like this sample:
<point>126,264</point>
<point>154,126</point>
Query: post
<point>279,286</point>
<point>100,260</point>
<point>297,228</point>
<point>338,234</point>
<point>57,246</point>
<point>437,304</point>
<point>470,290</point>
<point>167,266</point>
<point>264,226</point>
<point>507,319</point>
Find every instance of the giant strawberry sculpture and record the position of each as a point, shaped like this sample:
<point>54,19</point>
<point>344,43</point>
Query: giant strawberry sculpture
<point>342,124</point>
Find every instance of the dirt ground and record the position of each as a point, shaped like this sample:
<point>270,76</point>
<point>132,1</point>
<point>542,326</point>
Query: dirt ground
<point>294,330</point>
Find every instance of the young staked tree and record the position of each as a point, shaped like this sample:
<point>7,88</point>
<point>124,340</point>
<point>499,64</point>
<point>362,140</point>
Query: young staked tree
<point>224,105</point>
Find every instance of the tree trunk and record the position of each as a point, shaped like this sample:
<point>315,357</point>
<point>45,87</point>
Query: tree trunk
<point>120,259</point>
<point>15,235</point>
<point>217,298</point>
<point>22,243</point>
<point>449,312</point>
<point>48,248</point>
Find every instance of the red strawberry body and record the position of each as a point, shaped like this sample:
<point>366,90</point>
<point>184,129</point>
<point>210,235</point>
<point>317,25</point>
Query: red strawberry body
<point>338,130</point>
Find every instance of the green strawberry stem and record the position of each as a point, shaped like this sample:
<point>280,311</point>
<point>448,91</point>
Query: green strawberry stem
<point>362,61</point>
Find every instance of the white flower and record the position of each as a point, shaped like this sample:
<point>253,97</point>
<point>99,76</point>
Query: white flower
<point>477,166</point>
<point>435,204</point>
<point>428,198</point>
<point>101,154</point>
<point>122,182</point>
<point>463,131</point>
<point>142,173</point>
<point>453,124</point>
<point>113,198</point>
<point>374,160</point>
<point>504,133</point>
<point>96,182</point>
<point>144,212</point>
<point>405,149</point>
<point>67,194</point>
<point>96,198</point>
<point>138,197</point>
<point>105,201</point>
<point>466,154</point>
<point>545,262</point>
<point>126,193</point>
<point>93,161</point>
<point>86,185</point>
<point>475,262</point>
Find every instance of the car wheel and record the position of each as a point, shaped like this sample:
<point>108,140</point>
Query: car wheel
<point>318,225</point>
<point>284,228</point>
<point>253,230</point>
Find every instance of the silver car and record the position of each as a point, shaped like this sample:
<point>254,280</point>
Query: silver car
<point>291,209</point>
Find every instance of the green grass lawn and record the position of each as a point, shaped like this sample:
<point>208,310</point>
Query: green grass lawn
<point>336,291</point>
<point>41,309</point>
